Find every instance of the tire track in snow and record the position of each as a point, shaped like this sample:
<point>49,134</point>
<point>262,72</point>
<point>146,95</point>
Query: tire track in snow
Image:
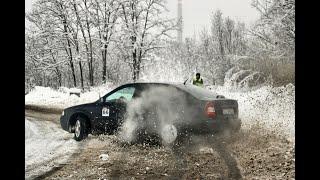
<point>48,147</point>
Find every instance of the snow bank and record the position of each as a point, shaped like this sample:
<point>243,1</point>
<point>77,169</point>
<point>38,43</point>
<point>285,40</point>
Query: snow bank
<point>30,130</point>
<point>267,107</point>
<point>48,97</point>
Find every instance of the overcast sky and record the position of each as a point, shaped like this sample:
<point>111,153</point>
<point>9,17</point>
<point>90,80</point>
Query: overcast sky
<point>196,13</point>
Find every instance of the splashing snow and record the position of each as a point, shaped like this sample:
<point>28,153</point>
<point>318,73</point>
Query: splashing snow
<point>272,108</point>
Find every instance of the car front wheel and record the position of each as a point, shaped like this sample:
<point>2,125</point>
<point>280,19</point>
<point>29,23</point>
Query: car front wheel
<point>80,130</point>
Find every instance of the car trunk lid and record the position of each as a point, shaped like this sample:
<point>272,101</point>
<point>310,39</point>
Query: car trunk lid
<point>225,108</point>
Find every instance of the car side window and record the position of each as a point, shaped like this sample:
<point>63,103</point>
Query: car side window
<point>126,93</point>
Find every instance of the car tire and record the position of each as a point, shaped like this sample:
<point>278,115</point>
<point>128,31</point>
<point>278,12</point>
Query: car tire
<point>168,134</point>
<point>80,129</point>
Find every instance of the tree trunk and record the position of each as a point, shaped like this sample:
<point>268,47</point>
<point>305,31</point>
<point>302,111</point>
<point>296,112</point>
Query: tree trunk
<point>91,70</point>
<point>134,59</point>
<point>104,52</point>
<point>59,76</point>
<point>64,22</point>
<point>56,69</point>
<point>104,62</point>
<point>69,53</point>
<point>230,42</point>
<point>81,75</point>
<point>80,64</point>
<point>104,34</point>
<point>86,44</point>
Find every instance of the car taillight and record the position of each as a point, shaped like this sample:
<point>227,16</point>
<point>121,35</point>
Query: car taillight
<point>209,110</point>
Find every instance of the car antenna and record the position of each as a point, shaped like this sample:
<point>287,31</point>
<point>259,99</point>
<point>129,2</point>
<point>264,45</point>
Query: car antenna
<point>185,81</point>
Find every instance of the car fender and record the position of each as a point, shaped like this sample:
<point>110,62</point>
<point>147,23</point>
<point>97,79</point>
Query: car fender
<point>80,111</point>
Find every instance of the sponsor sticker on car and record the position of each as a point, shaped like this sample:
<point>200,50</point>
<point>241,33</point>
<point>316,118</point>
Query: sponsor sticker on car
<point>105,111</point>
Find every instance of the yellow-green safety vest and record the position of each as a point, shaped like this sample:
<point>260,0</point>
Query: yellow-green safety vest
<point>198,82</point>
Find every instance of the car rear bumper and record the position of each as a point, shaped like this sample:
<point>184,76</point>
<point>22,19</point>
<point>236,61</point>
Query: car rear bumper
<point>210,126</point>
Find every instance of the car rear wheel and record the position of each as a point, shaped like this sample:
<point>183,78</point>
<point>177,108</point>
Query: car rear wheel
<point>80,129</point>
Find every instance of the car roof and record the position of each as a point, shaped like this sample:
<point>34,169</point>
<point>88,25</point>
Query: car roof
<point>147,83</point>
<point>198,92</point>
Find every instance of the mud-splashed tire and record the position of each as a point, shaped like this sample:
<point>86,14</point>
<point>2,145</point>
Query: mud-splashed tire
<point>80,129</point>
<point>169,135</point>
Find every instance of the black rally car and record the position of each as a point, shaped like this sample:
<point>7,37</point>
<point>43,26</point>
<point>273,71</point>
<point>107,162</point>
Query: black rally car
<point>156,108</point>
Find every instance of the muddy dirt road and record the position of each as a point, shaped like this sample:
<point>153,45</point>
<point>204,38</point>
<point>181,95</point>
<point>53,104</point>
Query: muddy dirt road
<point>247,155</point>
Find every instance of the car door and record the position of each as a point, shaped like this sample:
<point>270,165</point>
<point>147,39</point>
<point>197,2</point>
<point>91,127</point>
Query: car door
<point>111,111</point>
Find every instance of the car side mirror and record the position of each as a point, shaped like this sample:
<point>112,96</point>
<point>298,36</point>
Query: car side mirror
<point>101,100</point>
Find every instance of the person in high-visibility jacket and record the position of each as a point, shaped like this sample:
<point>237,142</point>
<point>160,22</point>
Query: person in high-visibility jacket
<point>198,80</point>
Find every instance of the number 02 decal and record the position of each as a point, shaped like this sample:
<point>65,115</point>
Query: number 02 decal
<point>105,111</point>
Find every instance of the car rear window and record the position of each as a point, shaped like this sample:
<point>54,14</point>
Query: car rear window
<point>198,92</point>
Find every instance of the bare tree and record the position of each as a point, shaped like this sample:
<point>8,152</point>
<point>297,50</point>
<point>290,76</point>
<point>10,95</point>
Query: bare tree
<point>105,15</point>
<point>228,34</point>
<point>74,30</point>
<point>143,29</point>
<point>60,6</point>
<point>276,26</point>
<point>84,25</point>
<point>45,50</point>
<point>222,63</point>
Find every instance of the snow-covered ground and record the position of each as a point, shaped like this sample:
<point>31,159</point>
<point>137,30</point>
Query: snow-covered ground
<point>60,99</point>
<point>46,145</point>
